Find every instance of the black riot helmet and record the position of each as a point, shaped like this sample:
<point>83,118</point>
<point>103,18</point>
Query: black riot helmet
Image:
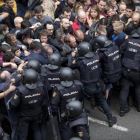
<point>1,133</point>
<point>30,78</point>
<point>74,109</point>
<point>66,76</point>
<point>34,64</point>
<point>54,61</point>
<point>102,41</point>
<point>75,138</point>
<point>84,48</point>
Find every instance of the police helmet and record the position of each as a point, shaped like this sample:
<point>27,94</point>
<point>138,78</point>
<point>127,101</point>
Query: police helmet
<point>102,41</point>
<point>84,48</point>
<point>54,61</point>
<point>1,133</point>
<point>75,138</point>
<point>66,76</point>
<point>34,64</point>
<point>74,109</point>
<point>30,78</point>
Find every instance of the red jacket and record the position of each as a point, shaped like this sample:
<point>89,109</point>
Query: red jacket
<point>76,26</point>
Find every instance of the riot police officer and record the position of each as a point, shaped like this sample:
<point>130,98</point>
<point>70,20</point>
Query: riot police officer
<point>3,136</point>
<point>53,69</point>
<point>131,72</point>
<point>88,63</point>
<point>68,90</point>
<point>77,120</point>
<point>111,61</point>
<point>29,97</point>
<point>41,70</point>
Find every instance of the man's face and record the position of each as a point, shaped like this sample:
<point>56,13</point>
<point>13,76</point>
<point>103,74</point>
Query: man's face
<point>129,13</point>
<point>10,4</point>
<point>79,38</point>
<point>67,15</point>
<point>113,3</point>
<point>136,21</point>
<point>49,29</point>
<point>13,40</point>
<point>110,12</point>
<point>6,31</point>
<point>18,23</point>
<point>43,39</point>
<point>39,16</point>
<point>122,9</point>
<point>71,2</point>
<point>101,5</point>
<point>88,2</point>
<point>65,24</point>
<point>72,42</point>
<point>18,53</point>
<point>82,18</point>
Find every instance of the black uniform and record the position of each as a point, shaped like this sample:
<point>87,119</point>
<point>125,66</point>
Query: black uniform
<point>30,104</point>
<point>111,61</point>
<point>131,72</point>
<point>53,77</point>
<point>61,96</point>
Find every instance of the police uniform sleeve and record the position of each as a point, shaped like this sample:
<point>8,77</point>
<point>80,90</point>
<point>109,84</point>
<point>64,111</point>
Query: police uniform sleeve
<point>123,47</point>
<point>82,132</point>
<point>15,101</point>
<point>73,62</point>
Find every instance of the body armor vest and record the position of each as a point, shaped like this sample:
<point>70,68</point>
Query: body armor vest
<point>131,57</point>
<point>53,77</point>
<point>69,94</point>
<point>112,62</point>
<point>91,73</point>
<point>31,100</point>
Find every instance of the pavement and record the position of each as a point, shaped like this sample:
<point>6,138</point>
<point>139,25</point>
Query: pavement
<point>126,128</point>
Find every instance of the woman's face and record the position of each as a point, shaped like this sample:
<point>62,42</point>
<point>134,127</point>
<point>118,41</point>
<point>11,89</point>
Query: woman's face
<point>81,8</point>
<point>93,13</point>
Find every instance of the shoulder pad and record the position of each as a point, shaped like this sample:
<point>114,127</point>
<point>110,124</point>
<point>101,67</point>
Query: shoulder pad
<point>76,82</point>
<point>22,88</point>
<point>59,87</point>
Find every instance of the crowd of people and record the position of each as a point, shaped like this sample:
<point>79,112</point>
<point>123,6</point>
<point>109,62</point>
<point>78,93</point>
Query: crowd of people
<point>54,54</point>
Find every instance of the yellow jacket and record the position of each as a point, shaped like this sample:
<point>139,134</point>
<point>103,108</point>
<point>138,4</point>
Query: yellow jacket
<point>15,6</point>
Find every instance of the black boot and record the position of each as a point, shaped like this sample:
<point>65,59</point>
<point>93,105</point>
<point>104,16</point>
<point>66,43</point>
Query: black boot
<point>93,102</point>
<point>124,110</point>
<point>137,105</point>
<point>111,120</point>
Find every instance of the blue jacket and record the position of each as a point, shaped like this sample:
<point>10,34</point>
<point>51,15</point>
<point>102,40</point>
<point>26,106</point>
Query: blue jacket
<point>38,57</point>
